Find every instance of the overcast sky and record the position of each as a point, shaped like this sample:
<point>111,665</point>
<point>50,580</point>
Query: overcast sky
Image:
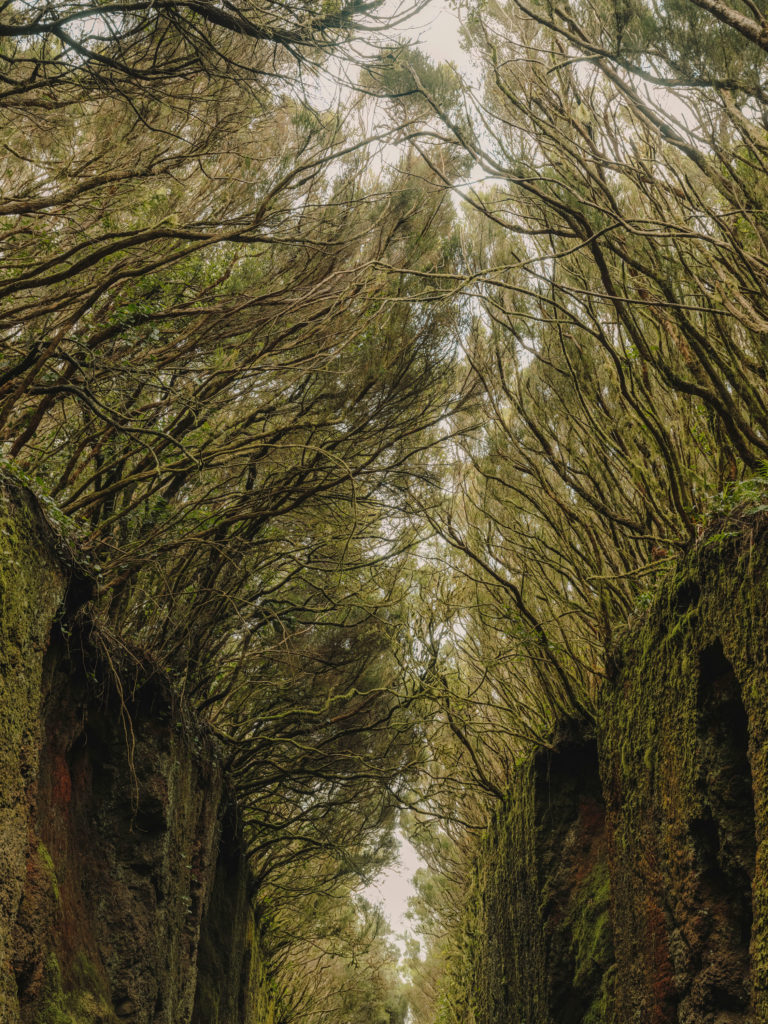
<point>437,31</point>
<point>393,887</point>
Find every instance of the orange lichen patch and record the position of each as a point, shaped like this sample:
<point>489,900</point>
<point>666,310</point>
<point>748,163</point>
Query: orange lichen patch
<point>592,841</point>
<point>61,781</point>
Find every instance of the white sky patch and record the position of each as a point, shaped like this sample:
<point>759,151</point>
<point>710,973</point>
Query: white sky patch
<point>393,887</point>
<point>437,32</point>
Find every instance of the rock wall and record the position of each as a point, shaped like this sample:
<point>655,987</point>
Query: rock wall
<point>625,878</point>
<point>684,751</point>
<point>32,588</point>
<point>124,894</point>
<point>537,943</point>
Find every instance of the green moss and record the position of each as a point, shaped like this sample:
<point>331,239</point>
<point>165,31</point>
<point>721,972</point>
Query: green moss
<point>535,930</point>
<point>31,589</point>
<point>86,1003</point>
<point>590,922</point>
<point>50,870</point>
<point>87,978</point>
<point>592,943</point>
<point>603,1009</point>
<point>233,979</point>
<point>52,1009</point>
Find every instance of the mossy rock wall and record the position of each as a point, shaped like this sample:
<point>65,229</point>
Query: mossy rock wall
<point>233,982</point>
<point>536,944</point>
<point>624,878</point>
<point>32,587</point>
<point>125,896</point>
<point>684,754</point>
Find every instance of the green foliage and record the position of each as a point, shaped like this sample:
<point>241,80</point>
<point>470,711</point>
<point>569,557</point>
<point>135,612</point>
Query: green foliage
<point>345,970</point>
<point>410,79</point>
<point>223,385</point>
<point>619,353</point>
<point>50,869</point>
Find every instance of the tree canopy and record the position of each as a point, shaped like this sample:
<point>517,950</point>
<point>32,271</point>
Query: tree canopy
<point>375,400</point>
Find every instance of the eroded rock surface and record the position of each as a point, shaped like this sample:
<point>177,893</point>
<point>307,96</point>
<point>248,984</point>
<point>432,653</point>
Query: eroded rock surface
<point>120,846</point>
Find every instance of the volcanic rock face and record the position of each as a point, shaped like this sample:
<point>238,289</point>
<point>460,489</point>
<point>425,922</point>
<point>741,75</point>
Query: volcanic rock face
<point>32,587</point>
<point>123,885</point>
<point>539,939</point>
<point>624,880</point>
<point>683,754</point>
